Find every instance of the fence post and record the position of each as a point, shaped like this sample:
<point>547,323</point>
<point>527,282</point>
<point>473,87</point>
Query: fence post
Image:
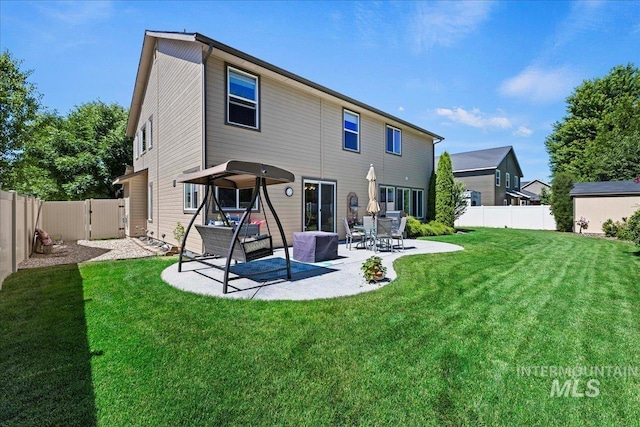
<point>14,231</point>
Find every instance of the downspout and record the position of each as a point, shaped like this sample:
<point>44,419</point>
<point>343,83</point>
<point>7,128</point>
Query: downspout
<point>204,106</point>
<point>204,119</point>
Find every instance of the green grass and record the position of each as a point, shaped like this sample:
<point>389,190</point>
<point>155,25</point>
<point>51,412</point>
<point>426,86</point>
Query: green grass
<point>110,344</point>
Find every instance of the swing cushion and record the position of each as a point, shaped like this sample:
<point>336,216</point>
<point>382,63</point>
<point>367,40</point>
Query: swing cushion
<point>217,240</point>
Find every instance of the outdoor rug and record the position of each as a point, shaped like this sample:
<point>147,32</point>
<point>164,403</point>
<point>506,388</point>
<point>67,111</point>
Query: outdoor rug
<point>299,270</point>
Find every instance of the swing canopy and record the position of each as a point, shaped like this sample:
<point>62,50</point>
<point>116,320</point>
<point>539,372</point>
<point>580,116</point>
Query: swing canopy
<point>237,175</point>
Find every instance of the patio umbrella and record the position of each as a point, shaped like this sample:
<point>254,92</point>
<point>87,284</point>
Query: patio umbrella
<point>373,207</point>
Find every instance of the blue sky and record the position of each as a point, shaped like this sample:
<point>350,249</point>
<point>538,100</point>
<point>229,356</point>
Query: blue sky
<point>481,74</point>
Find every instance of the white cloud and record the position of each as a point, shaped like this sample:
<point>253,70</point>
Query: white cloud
<point>446,22</point>
<point>78,12</point>
<point>523,131</point>
<point>540,85</point>
<point>474,118</point>
<point>401,108</point>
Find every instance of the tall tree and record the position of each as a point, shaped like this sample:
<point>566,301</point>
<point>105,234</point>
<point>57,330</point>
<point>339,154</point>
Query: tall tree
<point>459,201</point>
<point>445,203</point>
<point>599,138</point>
<point>561,204</point>
<point>431,197</point>
<point>19,105</point>
<point>76,157</point>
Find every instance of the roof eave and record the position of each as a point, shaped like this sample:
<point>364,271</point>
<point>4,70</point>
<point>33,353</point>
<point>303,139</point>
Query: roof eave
<point>144,67</point>
<point>245,56</point>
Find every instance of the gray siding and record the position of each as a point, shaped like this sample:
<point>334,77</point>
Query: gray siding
<point>301,131</point>
<point>482,181</point>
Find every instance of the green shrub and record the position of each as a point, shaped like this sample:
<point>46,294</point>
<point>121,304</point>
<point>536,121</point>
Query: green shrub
<point>415,228</point>
<point>561,203</point>
<point>633,228</point>
<point>435,228</point>
<point>610,228</point>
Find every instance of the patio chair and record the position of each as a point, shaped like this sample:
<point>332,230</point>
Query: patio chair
<point>399,233</point>
<point>351,234</point>
<point>384,236</point>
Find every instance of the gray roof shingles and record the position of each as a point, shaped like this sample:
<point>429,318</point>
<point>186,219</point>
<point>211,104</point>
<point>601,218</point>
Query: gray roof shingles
<point>477,160</point>
<point>605,188</point>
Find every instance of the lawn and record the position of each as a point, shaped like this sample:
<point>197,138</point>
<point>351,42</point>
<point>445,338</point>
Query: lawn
<point>448,343</point>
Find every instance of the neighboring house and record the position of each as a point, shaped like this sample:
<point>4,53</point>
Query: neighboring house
<point>600,201</point>
<point>495,173</point>
<point>533,189</point>
<point>198,103</point>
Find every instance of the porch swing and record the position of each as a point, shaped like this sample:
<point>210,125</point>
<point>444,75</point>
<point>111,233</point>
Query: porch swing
<point>242,241</point>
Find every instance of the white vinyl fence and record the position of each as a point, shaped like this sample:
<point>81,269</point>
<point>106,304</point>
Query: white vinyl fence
<point>527,217</point>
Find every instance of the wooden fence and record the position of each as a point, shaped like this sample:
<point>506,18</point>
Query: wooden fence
<point>70,220</point>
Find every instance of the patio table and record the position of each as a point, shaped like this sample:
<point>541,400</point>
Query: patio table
<point>369,239</point>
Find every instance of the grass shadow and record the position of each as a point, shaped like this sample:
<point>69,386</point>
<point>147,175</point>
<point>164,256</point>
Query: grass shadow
<point>45,362</point>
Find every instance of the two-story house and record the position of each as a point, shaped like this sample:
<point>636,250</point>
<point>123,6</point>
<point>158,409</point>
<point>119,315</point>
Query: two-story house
<point>494,172</point>
<point>198,103</point>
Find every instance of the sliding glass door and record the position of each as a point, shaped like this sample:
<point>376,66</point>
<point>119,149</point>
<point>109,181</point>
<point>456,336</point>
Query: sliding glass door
<point>319,206</point>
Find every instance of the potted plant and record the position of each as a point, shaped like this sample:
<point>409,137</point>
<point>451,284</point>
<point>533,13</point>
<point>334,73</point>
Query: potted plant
<point>373,270</point>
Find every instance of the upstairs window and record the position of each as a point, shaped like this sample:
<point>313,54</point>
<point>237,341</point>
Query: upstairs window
<point>507,180</point>
<point>242,98</point>
<point>351,131</point>
<point>497,177</point>
<point>394,140</point>
<point>516,182</point>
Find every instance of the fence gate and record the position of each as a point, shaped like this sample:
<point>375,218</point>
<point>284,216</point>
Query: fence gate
<point>105,218</point>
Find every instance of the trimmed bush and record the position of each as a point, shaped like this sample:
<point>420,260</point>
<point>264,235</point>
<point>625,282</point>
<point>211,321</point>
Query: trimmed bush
<point>633,228</point>
<point>433,228</point>
<point>561,203</point>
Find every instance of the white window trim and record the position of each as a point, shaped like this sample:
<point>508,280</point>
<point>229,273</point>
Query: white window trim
<point>135,146</point>
<point>250,101</point>
<point>421,207</point>
<point>344,129</point>
<point>498,182</point>
<point>386,142</point>
<point>507,180</point>
<point>150,202</point>
<point>149,136</point>
<point>195,188</point>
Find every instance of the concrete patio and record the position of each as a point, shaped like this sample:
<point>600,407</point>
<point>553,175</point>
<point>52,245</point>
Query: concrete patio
<point>329,279</point>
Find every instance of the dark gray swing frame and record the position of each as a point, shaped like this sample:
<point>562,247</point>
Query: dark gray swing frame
<point>235,175</point>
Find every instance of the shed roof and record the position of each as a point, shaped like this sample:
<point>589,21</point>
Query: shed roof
<point>605,188</point>
<point>237,174</point>
<point>489,158</point>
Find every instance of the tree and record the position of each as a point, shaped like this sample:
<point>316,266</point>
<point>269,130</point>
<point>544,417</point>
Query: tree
<point>599,138</point>
<point>460,202</point>
<point>76,157</point>
<point>431,197</point>
<point>445,203</point>
<point>561,205</point>
<point>545,196</point>
<point>19,104</point>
